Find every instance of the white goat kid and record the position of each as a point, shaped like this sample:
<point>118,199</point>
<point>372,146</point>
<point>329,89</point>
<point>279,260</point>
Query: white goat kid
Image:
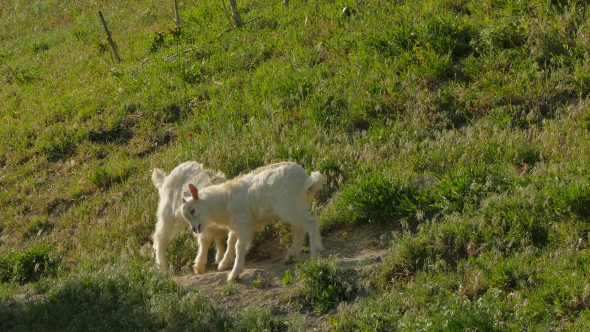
<point>170,221</point>
<point>280,191</point>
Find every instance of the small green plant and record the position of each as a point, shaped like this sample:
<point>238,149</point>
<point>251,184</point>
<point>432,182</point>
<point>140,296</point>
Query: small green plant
<point>101,46</point>
<point>230,289</point>
<point>321,284</point>
<point>19,75</point>
<point>434,66</point>
<point>28,265</point>
<point>157,41</point>
<point>57,144</point>
<point>573,199</point>
<point>108,176</point>
<point>36,225</point>
<point>162,39</point>
<point>287,278</point>
<point>259,282</point>
<point>40,46</point>
<point>447,34</point>
<point>191,75</point>
<point>260,320</point>
<point>371,199</point>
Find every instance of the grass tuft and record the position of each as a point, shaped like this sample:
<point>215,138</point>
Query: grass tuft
<point>29,265</point>
<point>321,285</point>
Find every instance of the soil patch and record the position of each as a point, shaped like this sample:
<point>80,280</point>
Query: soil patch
<point>260,285</point>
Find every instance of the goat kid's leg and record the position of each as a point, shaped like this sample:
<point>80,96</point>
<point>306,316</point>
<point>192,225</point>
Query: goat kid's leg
<point>244,237</point>
<point>230,253</point>
<point>160,245</point>
<point>318,235</point>
<point>205,239</point>
<point>296,245</point>
<point>165,231</point>
<point>315,239</point>
<point>219,237</point>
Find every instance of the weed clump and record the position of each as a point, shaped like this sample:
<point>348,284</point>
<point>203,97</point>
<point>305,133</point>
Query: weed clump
<point>379,199</point>
<point>162,39</point>
<point>321,285</point>
<point>123,298</point>
<point>29,265</point>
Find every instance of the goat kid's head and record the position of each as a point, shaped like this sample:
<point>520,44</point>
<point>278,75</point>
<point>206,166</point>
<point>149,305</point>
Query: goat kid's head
<point>190,210</point>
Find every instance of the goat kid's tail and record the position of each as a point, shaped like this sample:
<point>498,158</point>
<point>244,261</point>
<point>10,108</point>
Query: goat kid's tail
<point>158,177</point>
<point>313,184</point>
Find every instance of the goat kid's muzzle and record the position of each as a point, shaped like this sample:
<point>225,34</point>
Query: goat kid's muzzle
<point>197,229</point>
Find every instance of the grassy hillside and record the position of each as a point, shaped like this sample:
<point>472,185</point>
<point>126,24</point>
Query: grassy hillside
<point>484,101</point>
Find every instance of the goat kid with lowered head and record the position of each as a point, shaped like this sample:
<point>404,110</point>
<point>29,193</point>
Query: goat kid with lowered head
<point>249,202</point>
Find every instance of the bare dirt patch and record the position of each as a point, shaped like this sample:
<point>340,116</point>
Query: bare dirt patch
<point>260,285</point>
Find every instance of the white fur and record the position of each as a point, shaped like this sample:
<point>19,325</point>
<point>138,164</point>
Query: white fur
<point>170,221</point>
<point>280,191</point>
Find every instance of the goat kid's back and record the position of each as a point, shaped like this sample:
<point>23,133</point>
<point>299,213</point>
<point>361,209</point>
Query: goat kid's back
<point>275,187</point>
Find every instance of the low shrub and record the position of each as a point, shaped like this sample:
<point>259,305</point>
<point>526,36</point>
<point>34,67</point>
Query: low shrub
<point>321,285</point>
<point>28,265</point>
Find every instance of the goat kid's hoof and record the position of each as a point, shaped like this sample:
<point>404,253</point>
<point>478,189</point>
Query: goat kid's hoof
<point>232,279</point>
<point>198,269</point>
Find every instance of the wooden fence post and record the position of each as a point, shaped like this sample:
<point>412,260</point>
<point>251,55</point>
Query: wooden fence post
<point>226,14</point>
<point>176,16</point>
<point>235,14</point>
<point>109,38</point>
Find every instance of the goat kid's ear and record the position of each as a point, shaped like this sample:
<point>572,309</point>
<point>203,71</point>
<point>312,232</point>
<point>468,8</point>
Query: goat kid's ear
<point>194,191</point>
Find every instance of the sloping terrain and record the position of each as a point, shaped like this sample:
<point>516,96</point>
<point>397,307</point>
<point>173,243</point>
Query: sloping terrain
<point>261,284</point>
<point>453,135</point>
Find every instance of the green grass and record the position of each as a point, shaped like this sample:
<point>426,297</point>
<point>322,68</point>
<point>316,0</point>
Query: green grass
<point>463,124</point>
<point>321,284</point>
<point>127,298</point>
<point>28,265</point>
